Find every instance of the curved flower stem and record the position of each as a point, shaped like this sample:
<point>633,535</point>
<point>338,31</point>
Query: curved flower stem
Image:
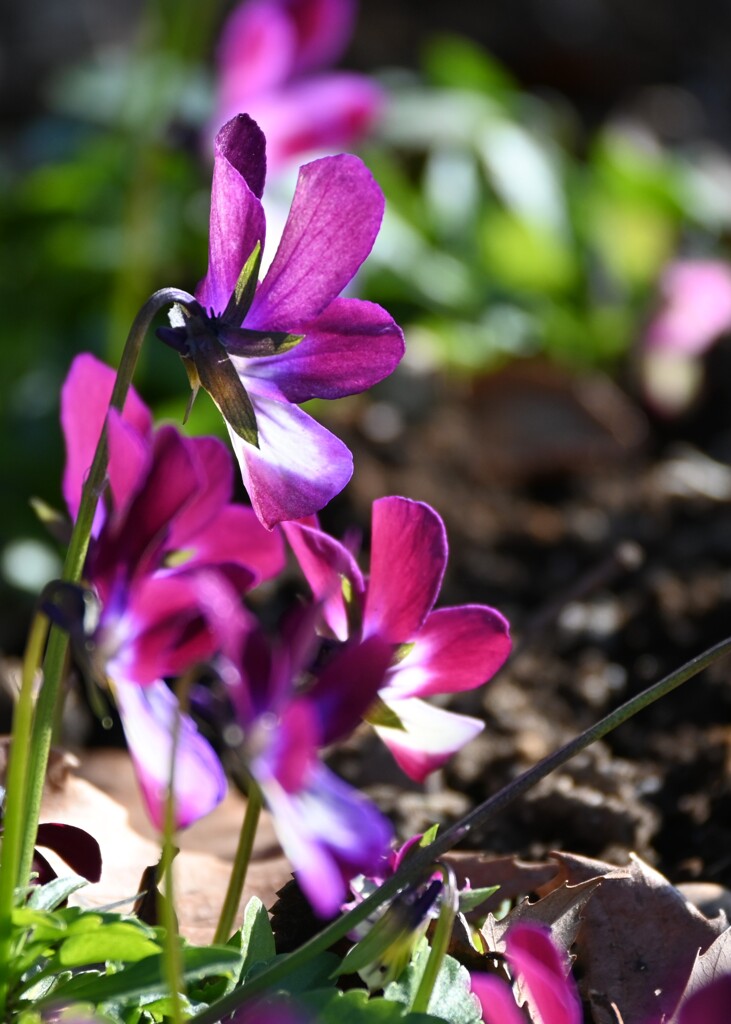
<point>240,865</point>
<point>13,823</point>
<point>440,942</point>
<point>75,556</point>
<point>418,863</point>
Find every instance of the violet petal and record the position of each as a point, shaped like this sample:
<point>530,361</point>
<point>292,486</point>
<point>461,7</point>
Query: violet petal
<point>332,225</point>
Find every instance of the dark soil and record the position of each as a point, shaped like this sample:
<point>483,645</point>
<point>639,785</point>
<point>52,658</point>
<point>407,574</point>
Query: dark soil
<point>605,538</point>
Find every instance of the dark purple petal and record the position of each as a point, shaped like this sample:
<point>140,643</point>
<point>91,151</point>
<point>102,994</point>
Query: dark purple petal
<point>709,1005</point>
<point>330,833</point>
<point>324,114</point>
<point>237,219</point>
<point>326,563</point>
<point>496,999</point>
<point>333,222</point>
<point>348,685</point>
<point>350,347</point>
<point>149,717</point>
<point>456,649</point>
<point>532,955</point>
<point>429,738</point>
<point>298,467</point>
<point>214,468</point>
<point>85,399</point>
<point>236,535</point>
<point>74,846</point>
<point>408,558</point>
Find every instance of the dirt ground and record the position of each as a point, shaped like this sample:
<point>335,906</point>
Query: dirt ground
<point>605,537</point>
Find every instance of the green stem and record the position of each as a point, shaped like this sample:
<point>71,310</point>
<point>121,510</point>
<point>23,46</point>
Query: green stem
<point>240,866</point>
<point>419,862</point>
<point>14,823</point>
<point>440,941</point>
<point>166,901</point>
<point>48,697</point>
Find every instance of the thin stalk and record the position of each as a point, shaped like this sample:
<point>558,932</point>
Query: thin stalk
<point>419,862</point>
<point>440,940</point>
<point>48,697</point>
<point>14,821</point>
<point>240,865</point>
<point>166,902</point>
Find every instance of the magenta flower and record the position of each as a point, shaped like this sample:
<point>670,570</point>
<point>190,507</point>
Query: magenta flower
<point>269,54</point>
<point>260,351</point>
<point>168,561</point>
<point>287,709</point>
<point>550,990</point>
<point>434,652</point>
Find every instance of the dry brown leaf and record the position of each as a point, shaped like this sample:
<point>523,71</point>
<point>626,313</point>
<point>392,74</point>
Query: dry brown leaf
<point>561,911</point>
<point>515,877</point>
<point>637,942</point>
<point>201,868</point>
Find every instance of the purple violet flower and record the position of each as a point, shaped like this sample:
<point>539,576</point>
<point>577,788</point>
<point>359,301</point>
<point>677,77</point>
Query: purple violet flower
<point>269,56</point>
<point>169,559</point>
<point>328,830</point>
<point>550,990</point>
<point>261,350</point>
<point>443,651</point>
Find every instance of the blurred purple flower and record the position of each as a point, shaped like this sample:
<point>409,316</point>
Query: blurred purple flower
<point>434,652</point>
<point>695,310</point>
<point>269,56</point>
<point>168,561</point>
<point>550,990</point>
<point>261,350</point>
<point>75,846</point>
<point>328,830</point>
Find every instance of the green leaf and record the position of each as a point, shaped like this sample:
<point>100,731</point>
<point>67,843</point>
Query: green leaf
<point>451,997</point>
<point>218,376</point>
<point>257,938</point>
<point>429,836</point>
<point>316,973</point>
<point>470,899</point>
<point>334,1007</point>
<point>122,940</point>
<point>145,977</point>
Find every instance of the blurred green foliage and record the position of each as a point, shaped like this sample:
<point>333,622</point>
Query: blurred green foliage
<point>508,233</point>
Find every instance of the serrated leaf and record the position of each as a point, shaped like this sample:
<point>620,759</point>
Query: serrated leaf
<point>143,978</point>
<point>257,938</point>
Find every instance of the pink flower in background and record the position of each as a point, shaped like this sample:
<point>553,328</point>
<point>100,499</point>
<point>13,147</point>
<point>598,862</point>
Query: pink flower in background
<point>447,650</point>
<point>271,56</point>
<point>694,312</point>
<point>544,973</point>
<point>695,307</point>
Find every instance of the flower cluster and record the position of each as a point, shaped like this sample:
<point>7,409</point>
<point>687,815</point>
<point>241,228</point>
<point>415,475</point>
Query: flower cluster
<point>172,557</point>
